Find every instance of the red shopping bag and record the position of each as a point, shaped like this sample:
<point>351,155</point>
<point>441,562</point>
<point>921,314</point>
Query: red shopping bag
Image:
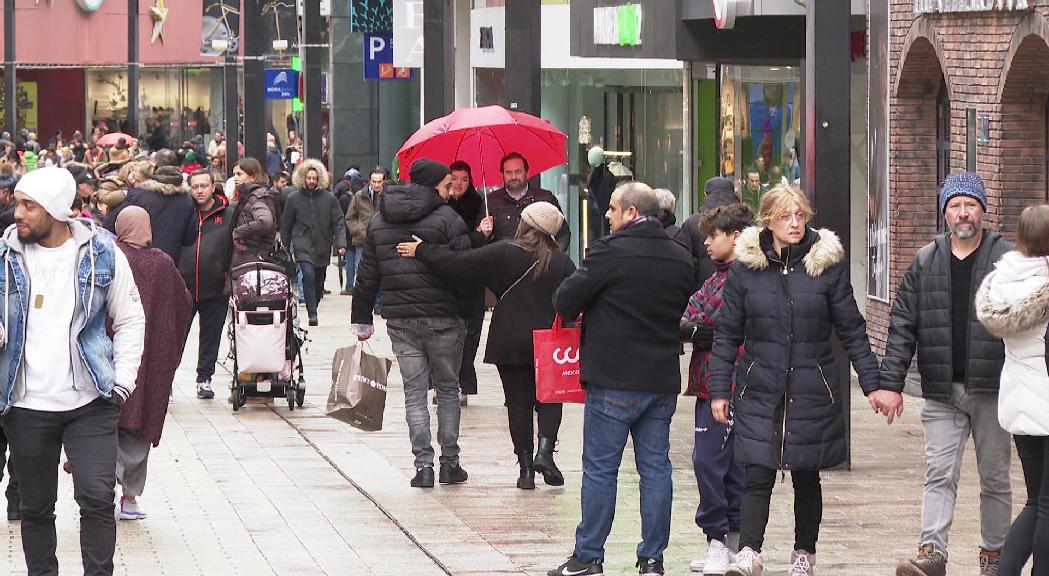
<point>556,353</point>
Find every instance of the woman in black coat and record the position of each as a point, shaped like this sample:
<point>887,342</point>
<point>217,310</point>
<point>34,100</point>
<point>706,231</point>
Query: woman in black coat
<point>789,290</point>
<point>523,273</point>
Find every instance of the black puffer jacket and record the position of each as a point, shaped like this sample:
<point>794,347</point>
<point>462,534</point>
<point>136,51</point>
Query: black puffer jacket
<point>787,411</point>
<point>921,320</point>
<point>409,288</point>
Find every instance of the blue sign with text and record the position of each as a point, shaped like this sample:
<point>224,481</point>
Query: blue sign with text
<point>378,59</point>
<point>281,84</point>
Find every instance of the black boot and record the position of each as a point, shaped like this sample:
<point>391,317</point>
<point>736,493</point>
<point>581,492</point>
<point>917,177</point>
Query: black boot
<point>544,463</point>
<point>527,479</point>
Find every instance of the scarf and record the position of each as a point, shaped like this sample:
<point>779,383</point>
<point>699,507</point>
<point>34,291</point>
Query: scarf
<point>133,227</point>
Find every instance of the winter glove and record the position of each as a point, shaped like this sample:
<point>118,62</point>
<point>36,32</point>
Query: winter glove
<point>688,330</point>
<point>704,336</point>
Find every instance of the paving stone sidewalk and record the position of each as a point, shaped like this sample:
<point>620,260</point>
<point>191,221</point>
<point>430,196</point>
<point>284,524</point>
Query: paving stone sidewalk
<point>270,491</point>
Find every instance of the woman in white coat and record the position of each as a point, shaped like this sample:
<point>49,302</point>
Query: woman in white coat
<point>1013,303</point>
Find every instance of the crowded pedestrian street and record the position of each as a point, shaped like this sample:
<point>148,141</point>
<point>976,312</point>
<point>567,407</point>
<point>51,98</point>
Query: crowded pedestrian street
<point>269,491</point>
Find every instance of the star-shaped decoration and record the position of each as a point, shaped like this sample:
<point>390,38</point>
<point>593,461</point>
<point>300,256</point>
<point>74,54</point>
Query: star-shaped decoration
<point>159,14</point>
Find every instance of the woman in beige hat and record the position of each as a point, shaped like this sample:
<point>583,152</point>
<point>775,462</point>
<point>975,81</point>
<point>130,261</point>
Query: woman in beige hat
<point>523,273</point>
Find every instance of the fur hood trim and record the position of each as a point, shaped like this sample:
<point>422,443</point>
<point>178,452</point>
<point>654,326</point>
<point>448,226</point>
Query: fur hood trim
<point>826,251</point>
<point>299,177</point>
<point>152,185</point>
<point>1007,318</point>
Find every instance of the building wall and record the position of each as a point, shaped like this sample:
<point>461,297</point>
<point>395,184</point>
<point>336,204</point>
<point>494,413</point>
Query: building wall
<point>994,62</point>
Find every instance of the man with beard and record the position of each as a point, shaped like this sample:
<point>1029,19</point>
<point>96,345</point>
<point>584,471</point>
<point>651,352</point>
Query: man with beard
<point>960,364</point>
<point>63,273</point>
<point>506,203</point>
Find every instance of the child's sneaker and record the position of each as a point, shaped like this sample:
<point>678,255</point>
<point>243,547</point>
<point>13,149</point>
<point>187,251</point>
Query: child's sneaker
<point>130,510</point>
<point>717,559</point>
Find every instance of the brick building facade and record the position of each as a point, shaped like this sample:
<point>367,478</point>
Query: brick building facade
<point>942,64</point>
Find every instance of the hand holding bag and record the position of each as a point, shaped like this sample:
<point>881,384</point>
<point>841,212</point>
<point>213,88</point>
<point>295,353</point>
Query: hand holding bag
<point>556,354</point>
<point>358,388</point>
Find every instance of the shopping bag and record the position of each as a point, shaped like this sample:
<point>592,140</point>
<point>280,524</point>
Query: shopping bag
<point>358,388</point>
<point>556,353</point>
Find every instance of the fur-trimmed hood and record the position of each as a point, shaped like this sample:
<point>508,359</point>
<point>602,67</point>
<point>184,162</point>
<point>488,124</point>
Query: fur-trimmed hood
<point>1014,297</point>
<point>822,249</point>
<point>164,181</point>
<point>299,177</point>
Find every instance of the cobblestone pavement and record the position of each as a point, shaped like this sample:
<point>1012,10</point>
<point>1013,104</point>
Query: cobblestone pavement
<point>269,491</point>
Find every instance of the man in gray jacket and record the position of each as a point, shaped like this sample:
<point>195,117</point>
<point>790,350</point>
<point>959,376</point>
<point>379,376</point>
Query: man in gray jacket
<point>312,220</point>
<point>960,365</point>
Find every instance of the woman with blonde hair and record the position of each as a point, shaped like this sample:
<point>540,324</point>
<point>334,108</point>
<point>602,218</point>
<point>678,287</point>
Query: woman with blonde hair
<point>788,292</point>
<point>1013,304</point>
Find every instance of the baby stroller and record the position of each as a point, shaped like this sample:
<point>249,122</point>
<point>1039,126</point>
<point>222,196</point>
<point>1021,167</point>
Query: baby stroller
<point>265,342</point>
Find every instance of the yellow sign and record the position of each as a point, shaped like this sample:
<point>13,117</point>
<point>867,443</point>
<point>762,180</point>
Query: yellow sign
<point>28,106</point>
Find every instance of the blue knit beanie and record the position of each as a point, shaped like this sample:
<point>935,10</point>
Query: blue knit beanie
<point>963,184</point>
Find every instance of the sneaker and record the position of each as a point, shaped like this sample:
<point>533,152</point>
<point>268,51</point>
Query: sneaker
<point>801,563</point>
<point>204,391</point>
<point>171,397</point>
<point>130,510</point>
<point>716,561</point>
<point>346,292</point>
<point>747,563</point>
<point>989,562</point>
<point>423,477</point>
<point>576,567</point>
<point>313,320</point>
<point>650,567</point>
<point>453,474</point>
<point>930,561</point>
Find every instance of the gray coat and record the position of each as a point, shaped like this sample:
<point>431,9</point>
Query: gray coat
<point>312,219</point>
<point>921,320</point>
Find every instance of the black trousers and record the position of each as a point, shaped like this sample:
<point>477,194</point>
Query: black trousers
<point>1030,531</point>
<point>808,507</point>
<point>519,391</point>
<point>12,480</point>
<point>212,313</point>
<point>89,435</point>
<point>474,320</point>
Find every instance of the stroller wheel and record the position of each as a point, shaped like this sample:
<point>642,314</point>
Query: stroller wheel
<point>300,396</point>
<point>291,397</point>
<point>236,394</point>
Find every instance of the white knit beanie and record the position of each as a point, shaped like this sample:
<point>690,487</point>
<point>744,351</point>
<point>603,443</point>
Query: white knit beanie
<point>543,216</point>
<point>52,188</point>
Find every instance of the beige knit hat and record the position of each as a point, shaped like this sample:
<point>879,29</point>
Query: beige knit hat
<point>543,216</point>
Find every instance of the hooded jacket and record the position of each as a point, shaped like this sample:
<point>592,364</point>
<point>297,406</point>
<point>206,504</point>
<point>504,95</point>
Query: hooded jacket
<point>1013,304</point>
<point>172,212</point>
<point>205,263</point>
<point>788,388</point>
<point>409,288</point>
<point>255,223</point>
<point>921,321</point>
<point>312,217</point>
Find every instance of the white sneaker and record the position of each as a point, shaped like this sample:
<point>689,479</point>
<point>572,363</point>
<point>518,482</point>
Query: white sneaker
<point>717,560</point>
<point>801,563</point>
<point>130,510</point>
<point>747,563</point>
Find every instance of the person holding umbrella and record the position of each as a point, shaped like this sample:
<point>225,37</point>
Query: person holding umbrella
<point>505,204</point>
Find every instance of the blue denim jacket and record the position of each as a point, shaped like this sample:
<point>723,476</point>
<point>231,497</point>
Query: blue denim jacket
<point>96,265</point>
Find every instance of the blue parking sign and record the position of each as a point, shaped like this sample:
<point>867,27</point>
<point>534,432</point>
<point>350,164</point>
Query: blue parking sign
<point>281,84</point>
<point>378,59</point>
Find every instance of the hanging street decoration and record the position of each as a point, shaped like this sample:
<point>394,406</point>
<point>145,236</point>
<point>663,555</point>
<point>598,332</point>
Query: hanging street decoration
<point>159,14</point>
<point>89,5</point>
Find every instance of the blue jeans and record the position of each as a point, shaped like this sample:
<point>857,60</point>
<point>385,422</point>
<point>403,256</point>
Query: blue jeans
<point>312,285</point>
<point>350,262</point>
<point>609,416</point>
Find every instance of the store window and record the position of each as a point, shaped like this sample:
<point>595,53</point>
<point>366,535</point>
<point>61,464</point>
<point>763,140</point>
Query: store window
<point>760,126</point>
<point>175,104</point>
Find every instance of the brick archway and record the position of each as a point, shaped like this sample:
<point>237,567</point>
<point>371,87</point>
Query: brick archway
<point>1020,130</point>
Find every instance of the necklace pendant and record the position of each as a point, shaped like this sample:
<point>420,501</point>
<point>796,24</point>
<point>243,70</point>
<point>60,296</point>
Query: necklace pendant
<point>38,302</point>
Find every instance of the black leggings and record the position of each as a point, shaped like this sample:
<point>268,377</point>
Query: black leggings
<point>519,390</point>
<point>808,507</point>
<point>1030,531</point>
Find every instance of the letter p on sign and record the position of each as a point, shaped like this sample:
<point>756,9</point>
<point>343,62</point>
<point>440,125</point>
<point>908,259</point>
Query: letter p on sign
<point>376,44</point>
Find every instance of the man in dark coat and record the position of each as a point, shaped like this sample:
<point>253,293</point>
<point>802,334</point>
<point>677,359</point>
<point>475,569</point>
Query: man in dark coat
<point>312,219</point>
<point>960,364</point>
<point>716,192</point>
<point>422,311</point>
<point>506,203</point>
<point>631,289</point>
<point>166,198</point>
<point>204,266</point>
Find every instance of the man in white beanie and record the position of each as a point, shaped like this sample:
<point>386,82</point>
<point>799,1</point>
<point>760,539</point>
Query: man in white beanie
<point>59,273</point>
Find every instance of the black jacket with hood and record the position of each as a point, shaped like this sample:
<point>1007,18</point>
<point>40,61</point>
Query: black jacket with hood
<point>785,307</point>
<point>172,212</point>
<point>921,321</point>
<point>204,265</point>
<point>409,288</point>
<point>312,218</point>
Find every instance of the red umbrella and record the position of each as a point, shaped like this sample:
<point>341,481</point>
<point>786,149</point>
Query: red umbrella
<point>481,137</point>
<point>112,138</point>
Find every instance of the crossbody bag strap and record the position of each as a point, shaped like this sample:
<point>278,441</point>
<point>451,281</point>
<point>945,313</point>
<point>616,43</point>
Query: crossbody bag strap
<point>519,280</point>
